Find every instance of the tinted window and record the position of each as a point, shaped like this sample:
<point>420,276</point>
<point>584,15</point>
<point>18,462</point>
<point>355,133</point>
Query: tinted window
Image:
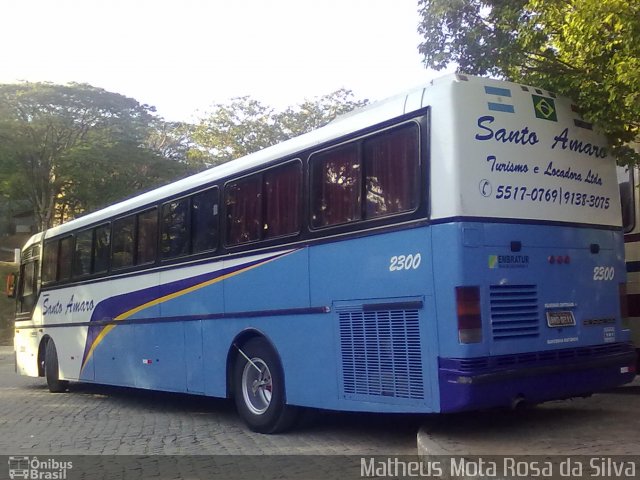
<point>147,236</point>
<point>243,201</point>
<point>123,242</point>
<point>82,254</point>
<point>386,165</point>
<point>28,287</point>
<point>102,249</point>
<point>282,187</point>
<point>204,220</point>
<point>391,166</point>
<point>65,258</point>
<point>336,186</point>
<point>50,262</point>
<point>175,228</point>
<point>28,284</point>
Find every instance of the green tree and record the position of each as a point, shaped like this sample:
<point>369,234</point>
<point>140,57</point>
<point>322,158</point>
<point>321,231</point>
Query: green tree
<point>174,141</point>
<point>73,148</point>
<point>588,50</point>
<point>233,130</point>
<point>317,112</point>
<point>245,125</point>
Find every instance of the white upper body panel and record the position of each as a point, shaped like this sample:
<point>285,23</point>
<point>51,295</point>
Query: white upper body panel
<point>487,139</point>
<point>501,150</point>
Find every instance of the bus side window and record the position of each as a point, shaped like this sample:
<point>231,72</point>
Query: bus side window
<point>50,261</point>
<point>65,258</point>
<point>282,194</point>
<point>336,186</point>
<point>243,201</point>
<point>27,290</point>
<point>391,166</point>
<point>82,254</point>
<point>147,236</point>
<point>101,248</point>
<point>204,221</point>
<point>123,242</point>
<point>174,239</point>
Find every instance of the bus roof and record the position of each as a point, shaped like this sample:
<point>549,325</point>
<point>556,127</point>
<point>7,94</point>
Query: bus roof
<point>369,115</point>
<point>437,94</point>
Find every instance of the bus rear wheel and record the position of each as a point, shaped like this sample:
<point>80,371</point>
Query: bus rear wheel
<point>51,369</point>
<point>259,389</point>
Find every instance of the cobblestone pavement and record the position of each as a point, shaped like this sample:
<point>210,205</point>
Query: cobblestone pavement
<point>606,423</point>
<point>103,420</point>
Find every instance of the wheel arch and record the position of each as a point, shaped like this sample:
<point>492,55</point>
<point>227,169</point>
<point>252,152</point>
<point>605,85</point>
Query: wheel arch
<point>42,347</point>
<point>232,354</point>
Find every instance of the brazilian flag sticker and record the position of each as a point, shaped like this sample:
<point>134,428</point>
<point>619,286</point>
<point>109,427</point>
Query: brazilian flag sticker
<point>545,108</point>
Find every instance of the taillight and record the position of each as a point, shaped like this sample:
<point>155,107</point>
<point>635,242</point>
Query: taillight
<point>624,304</point>
<point>469,318</point>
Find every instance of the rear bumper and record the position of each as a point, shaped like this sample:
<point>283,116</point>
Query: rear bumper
<point>484,382</point>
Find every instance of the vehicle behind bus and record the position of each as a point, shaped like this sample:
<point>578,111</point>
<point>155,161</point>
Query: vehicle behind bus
<point>628,180</point>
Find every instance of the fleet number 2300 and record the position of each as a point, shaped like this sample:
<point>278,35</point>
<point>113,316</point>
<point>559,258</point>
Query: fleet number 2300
<point>405,262</point>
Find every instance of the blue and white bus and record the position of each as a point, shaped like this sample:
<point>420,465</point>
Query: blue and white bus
<point>452,248</point>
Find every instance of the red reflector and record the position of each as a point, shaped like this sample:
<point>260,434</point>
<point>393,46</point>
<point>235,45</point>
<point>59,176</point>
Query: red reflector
<point>567,259</point>
<point>469,315</point>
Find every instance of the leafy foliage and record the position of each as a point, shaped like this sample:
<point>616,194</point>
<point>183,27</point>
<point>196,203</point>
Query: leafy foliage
<point>72,149</point>
<point>68,149</point>
<point>245,125</point>
<point>588,50</point>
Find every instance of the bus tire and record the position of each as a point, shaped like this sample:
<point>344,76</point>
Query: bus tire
<point>51,369</point>
<point>260,395</point>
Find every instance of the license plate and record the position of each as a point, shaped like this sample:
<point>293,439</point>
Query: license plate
<point>560,319</point>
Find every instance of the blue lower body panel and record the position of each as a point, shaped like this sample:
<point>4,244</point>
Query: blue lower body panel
<point>486,382</point>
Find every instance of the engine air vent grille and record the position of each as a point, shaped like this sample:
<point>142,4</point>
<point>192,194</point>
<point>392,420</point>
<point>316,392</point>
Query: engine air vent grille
<point>381,352</point>
<point>514,311</point>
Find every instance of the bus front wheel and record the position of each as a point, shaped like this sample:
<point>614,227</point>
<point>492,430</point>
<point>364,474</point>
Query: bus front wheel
<point>51,370</point>
<point>259,389</point>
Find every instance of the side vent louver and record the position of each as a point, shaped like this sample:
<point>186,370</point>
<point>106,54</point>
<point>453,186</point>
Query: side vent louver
<point>514,311</point>
<point>381,353</point>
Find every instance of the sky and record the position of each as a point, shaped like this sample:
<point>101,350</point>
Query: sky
<point>182,56</point>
